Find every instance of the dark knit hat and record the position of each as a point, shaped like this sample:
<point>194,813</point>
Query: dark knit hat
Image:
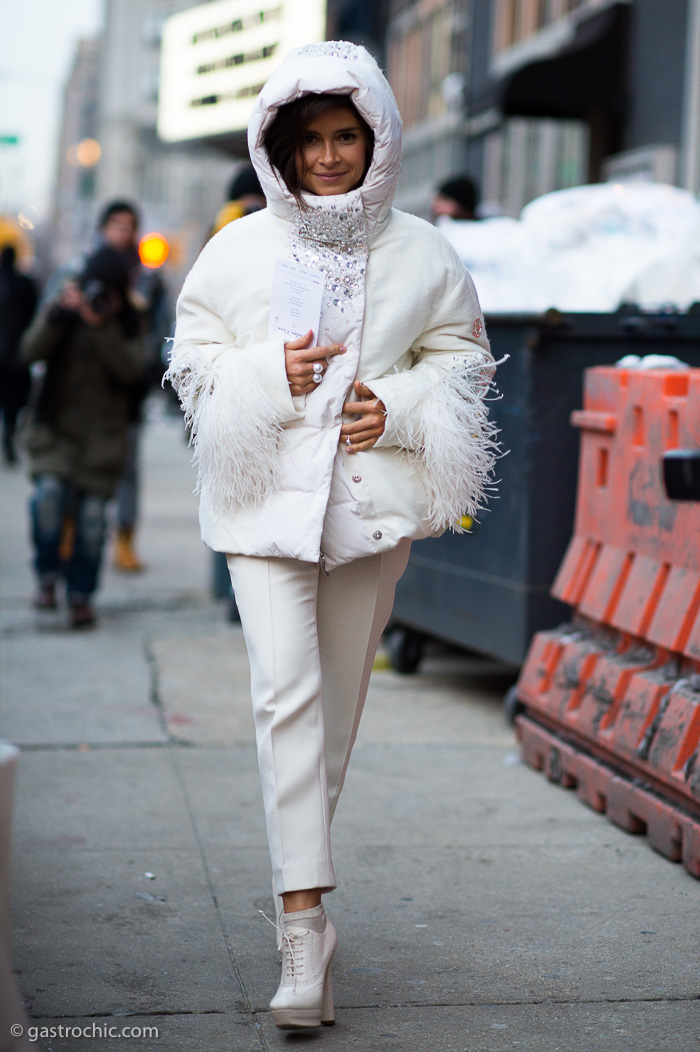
<point>243,183</point>
<point>462,189</point>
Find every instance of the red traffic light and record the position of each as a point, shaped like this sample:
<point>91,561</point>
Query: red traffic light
<point>153,250</point>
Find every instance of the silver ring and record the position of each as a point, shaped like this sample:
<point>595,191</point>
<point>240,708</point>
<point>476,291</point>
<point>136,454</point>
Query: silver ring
<point>317,367</point>
<point>317,377</point>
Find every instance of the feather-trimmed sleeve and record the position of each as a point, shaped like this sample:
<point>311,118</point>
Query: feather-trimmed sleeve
<point>437,411</point>
<point>236,399</point>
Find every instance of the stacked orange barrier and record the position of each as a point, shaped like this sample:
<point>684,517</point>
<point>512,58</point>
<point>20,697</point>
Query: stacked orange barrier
<point>612,701</point>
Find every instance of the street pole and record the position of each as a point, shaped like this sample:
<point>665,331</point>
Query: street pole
<point>689,167</point>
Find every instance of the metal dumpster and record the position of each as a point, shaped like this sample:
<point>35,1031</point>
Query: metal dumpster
<point>221,584</point>
<point>488,590</point>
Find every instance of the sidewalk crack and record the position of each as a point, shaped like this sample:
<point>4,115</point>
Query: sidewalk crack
<point>247,1006</point>
<point>154,691</point>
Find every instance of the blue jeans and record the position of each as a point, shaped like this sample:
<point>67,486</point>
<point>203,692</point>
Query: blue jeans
<point>128,487</point>
<point>51,503</point>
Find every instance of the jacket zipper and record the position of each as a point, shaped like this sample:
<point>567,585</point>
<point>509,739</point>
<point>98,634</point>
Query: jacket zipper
<point>322,564</point>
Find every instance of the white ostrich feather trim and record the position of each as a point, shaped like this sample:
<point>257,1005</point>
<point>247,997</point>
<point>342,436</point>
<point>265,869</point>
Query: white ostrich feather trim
<point>447,433</point>
<point>235,425</point>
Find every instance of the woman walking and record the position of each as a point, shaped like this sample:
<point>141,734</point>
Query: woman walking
<point>321,456</point>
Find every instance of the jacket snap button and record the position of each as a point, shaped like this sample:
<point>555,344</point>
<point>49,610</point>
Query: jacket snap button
<point>377,535</point>
<point>357,478</point>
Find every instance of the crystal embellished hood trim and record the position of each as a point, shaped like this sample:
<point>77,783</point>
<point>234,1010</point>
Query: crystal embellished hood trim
<point>332,49</point>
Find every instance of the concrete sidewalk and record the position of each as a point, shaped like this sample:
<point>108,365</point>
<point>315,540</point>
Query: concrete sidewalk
<point>480,909</point>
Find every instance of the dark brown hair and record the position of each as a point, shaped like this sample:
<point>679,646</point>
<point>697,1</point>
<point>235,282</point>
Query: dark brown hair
<point>283,137</point>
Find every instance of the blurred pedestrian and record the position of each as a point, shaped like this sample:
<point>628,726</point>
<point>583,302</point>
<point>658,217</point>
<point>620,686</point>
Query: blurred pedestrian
<point>118,228</point>
<point>244,197</point>
<point>90,342</point>
<point>320,458</point>
<point>18,300</point>
<point>456,198</point>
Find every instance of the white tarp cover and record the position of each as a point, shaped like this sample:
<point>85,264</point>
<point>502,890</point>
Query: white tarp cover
<point>588,249</point>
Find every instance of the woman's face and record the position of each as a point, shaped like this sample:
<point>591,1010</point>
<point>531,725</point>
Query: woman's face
<point>333,153</point>
<point>120,230</point>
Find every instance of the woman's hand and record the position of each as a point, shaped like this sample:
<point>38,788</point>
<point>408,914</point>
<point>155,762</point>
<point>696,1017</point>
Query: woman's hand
<point>71,298</point>
<point>299,360</point>
<point>363,433</point>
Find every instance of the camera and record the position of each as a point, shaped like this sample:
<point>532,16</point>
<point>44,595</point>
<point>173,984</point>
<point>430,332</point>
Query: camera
<point>98,295</point>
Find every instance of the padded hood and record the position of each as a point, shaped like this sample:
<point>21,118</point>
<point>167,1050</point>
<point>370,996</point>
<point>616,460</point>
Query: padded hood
<point>339,68</point>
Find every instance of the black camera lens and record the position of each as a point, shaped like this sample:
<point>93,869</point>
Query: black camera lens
<point>97,295</point>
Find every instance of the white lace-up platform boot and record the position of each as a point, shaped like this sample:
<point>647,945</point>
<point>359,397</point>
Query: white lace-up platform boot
<point>305,994</point>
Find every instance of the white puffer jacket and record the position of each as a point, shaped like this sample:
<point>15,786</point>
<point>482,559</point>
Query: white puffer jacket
<point>272,477</point>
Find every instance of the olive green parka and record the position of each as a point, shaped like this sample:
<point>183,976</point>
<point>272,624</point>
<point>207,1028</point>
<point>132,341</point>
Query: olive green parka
<point>79,421</point>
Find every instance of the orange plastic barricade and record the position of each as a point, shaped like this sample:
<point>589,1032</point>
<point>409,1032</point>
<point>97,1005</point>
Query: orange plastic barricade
<point>669,829</point>
<point>614,697</point>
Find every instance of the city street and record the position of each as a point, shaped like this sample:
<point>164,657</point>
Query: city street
<point>479,908</point>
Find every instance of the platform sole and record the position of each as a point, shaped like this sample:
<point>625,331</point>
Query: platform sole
<point>289,1019</point>
<point>307,1018</point>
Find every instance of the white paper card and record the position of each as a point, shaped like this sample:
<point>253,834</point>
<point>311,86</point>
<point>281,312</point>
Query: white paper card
<point>295,302</point>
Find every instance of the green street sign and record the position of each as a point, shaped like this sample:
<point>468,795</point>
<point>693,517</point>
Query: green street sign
<point>10,140</point>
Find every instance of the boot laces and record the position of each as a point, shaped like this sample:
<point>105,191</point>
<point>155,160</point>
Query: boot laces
<point>294,954</point>
<point>292,941</point>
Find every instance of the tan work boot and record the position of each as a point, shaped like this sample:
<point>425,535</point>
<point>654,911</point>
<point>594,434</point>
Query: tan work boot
<point>125,558</point>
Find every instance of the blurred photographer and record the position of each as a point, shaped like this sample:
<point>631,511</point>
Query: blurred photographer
<point>77,437</point>
<point>118,228</point>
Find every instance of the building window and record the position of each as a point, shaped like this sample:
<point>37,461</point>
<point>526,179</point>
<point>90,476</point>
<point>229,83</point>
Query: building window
<point>151,185</point>
<point>238,60</point>
<point>529,157</point>
<point>509,11</point>
<point>153,29</point>
<point>246,22</point>
<point>149,84</point>
<point>516,20</point>
<point>425,50</point>
<point>542,13</point>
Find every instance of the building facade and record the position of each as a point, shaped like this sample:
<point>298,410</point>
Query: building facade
<point>361,21</point>
<point>112,97</point>
<point>179,187</point>
<point>428,66</point>
<point>527,96</point>
<point>215,59</point>
<point>535,95</point>
<point>72,217</point>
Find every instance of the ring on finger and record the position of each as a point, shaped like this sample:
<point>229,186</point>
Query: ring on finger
<point>317,367</point>
<point>317,377</point>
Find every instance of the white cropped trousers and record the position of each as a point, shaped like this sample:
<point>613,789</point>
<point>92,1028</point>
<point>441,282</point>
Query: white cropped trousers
<point>311,643</point>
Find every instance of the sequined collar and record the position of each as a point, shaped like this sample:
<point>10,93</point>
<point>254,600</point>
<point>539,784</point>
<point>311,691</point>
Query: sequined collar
<point>330,235</point>
<point>332,221</point>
